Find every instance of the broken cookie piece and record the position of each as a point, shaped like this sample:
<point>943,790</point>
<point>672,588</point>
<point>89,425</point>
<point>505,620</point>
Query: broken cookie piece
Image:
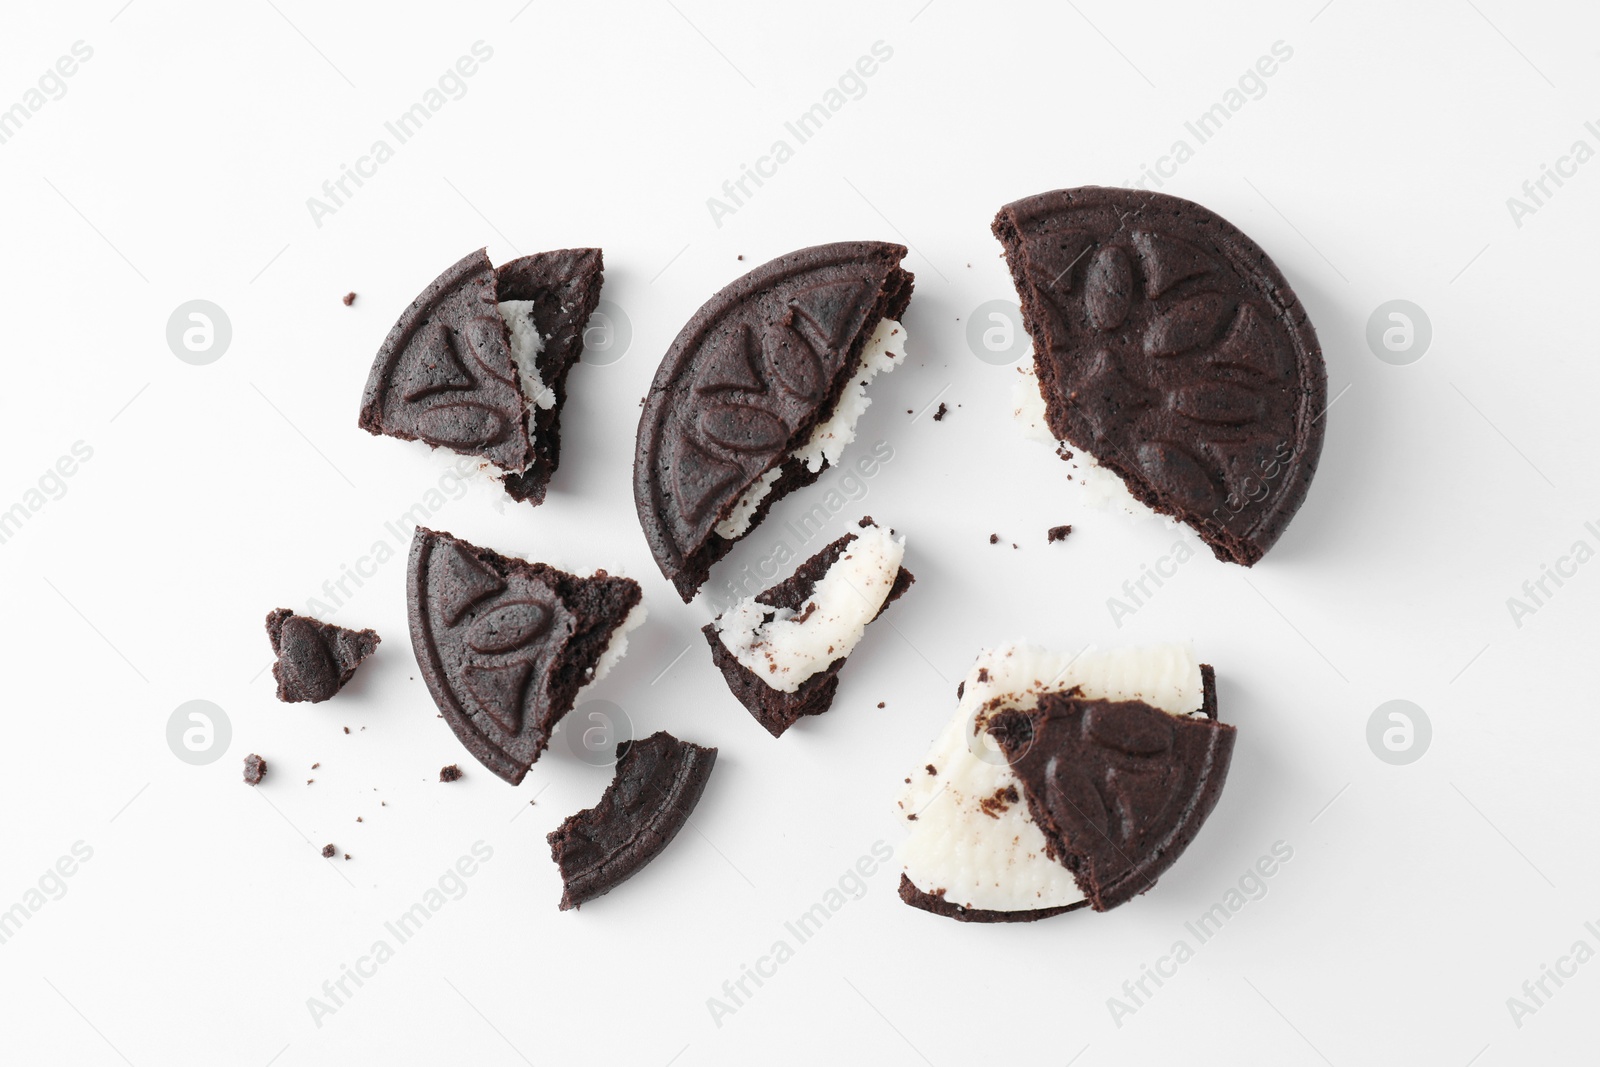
<point>657,785</point>
<point>255,769</point>
<point>478,363</point>
<point>315,659</point>
<point>506,645</point>
<point>760,393</point>
<point>1172,361</point>
<point>781,650</point>
<point>1117,755</point>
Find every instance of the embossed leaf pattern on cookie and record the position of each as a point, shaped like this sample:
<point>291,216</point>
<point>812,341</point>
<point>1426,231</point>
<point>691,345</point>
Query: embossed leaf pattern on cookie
<point>1226,332</point>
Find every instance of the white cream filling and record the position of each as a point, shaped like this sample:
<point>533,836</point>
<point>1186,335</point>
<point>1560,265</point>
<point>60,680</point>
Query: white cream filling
<point>1102,487</point>
<point>828,439</point>
<point>526,344</point>
<point>737,523</point>
<point>784,647</point>
<point>617,647</point>
<point>993,857</point>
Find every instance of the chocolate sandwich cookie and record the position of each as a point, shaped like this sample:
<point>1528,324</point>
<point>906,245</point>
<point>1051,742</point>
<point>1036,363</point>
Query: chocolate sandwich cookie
<point>314,659</point>
<point>657,785</point>
<point>1119,788</point>
<point>505,645</point>
<point>781,651</point>
<point>1170,349</point>
<point>1062,782</point>
<point>478,363</point>
<point>759,394</point>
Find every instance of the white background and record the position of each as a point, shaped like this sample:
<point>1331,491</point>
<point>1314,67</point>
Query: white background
<point>1376,166</point>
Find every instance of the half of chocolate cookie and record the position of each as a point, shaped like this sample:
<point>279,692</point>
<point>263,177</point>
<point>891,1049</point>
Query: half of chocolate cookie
<point>1063,782</point>
<point>1119,787</point>
<point>505,645</point>
<point>657,785</point>
<point>478,363</point>
<point>781,650</point>
<point>1171,356</point>
<point>314,659</point>
<point>759,393</point>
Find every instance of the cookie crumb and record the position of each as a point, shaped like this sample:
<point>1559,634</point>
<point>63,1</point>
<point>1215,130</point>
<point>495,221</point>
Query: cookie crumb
<point>938,416</point>
<point>255,769</point>
<point>328,852</point>
<point>1059,533</point>
<point>994,539</point>
<point>452,773</point>
<point>349,298</point>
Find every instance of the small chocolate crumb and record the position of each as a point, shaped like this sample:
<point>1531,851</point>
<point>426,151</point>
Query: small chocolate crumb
<point>994,539</point>
<point>451,773</point>
<point>359,819</point>
<point>932,769</point>
<point>912,817</point>
<point>938,416</point>
<point>1059,533</point>
<point>314,766</point>
<point>347,855</point>
<point>255,769</point>
<point>983,674</point>
<point>347,729</point>
<point>349,298</point>
<point>384,803</point>
<point>310,780</point>
<point>880,703</point>
<point>328,852</point>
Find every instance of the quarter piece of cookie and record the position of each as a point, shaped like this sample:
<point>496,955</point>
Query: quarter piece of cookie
<point>1063,782</point>
<point>781,650</point>
<point>314,659</point>
<point>506,645</point>
<point>1171,357</point>
<point>759,393</point>
<point>478,363</point>
<point>657,785</point>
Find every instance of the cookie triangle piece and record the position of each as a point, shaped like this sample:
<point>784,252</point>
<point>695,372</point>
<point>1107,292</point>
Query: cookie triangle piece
<point>478,363</point>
